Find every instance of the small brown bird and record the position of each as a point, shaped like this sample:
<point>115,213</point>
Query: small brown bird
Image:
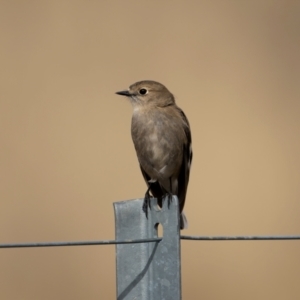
<point>162,139</point>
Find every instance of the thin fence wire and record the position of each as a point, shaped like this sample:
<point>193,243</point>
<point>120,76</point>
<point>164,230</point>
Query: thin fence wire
<point>241,238</point>
<point>135,241</point>
<point>78,243</point>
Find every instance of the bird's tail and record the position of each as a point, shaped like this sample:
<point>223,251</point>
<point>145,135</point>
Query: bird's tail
<point>183,221</point>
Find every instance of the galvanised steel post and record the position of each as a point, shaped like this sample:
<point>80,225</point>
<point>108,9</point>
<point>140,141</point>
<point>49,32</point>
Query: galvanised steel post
<point>148,271</point>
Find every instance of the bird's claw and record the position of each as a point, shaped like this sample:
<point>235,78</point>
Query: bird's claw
<point>146,204</point>
<point>169,196</point>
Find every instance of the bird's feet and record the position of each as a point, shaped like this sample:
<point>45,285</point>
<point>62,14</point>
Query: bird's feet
<point>147,203</point>
<point>169,197</point>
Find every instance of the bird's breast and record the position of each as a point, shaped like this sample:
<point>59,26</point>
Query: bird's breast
<point>157,145</point>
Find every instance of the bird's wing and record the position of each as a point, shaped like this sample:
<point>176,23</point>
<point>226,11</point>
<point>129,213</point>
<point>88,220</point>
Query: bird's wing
<point>184,173</point>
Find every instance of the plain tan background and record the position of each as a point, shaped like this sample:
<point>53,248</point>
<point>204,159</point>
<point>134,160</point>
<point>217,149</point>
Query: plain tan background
<point>66,152</point>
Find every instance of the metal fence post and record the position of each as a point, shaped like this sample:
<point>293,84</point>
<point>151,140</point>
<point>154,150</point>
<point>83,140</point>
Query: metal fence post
<point>148,271</point>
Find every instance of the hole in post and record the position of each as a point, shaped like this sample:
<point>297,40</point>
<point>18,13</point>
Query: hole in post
<point>159,230</point>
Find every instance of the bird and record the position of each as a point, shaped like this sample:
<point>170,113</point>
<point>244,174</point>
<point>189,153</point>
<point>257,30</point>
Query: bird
<point>162,139</point>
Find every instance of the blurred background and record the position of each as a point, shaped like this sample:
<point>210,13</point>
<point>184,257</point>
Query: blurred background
<point>66,152</point>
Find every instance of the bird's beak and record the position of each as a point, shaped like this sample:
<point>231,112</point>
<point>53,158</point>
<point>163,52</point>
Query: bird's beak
<point>124,93</point>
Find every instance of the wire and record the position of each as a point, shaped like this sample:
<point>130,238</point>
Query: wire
<point>80,243</point>
<point>183,237</point>
<point>240,238</point>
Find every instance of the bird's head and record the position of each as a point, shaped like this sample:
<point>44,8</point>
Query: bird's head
<point>148,93</point>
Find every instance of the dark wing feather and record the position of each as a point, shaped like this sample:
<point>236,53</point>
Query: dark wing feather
<point>184,173</point>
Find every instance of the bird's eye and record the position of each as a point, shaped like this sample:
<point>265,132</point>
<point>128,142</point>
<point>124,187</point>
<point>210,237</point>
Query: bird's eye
<point>143,91</point>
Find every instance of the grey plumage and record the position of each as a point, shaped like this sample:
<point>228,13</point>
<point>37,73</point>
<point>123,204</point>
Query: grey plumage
<point>162,139</point>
